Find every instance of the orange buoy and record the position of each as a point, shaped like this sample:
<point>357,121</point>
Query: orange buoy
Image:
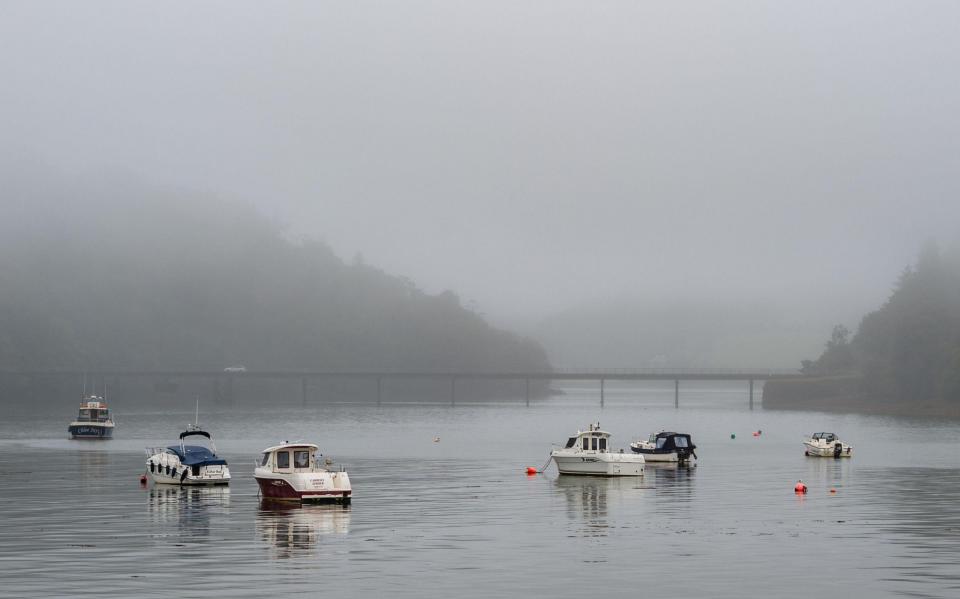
<point>833,490</point>
<point>800,487</point>
<point>531,471</point>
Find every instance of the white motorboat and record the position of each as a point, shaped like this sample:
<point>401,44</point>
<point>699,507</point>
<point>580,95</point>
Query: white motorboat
<point>589,453</point>
<point>293,472</point>
<point>666,447</point>
<point>93,420</point>
<point>826,445</point>
<point>188,464</point>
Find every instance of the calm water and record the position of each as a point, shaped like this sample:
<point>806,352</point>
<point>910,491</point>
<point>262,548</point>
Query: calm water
<point>460,518</point>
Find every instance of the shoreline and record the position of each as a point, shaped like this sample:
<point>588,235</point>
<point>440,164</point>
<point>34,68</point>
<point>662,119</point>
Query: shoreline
<point>844,394</point>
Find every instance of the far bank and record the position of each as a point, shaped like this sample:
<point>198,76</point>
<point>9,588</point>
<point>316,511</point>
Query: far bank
<point>846,393</point>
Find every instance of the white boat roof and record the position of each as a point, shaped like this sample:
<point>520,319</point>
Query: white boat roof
<point>593,431</point>
<point>287,445</point>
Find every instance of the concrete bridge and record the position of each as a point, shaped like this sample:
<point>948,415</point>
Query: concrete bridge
<point>601,375</point>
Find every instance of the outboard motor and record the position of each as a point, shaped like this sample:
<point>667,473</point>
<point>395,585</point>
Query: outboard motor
<point>684,453</point>
<point>837,450</point>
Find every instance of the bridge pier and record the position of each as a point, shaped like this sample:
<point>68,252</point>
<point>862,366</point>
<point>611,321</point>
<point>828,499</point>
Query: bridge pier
<point>676,393</point>
<point>379,390</point>
<point>527,381</point>
<point>751,394</point>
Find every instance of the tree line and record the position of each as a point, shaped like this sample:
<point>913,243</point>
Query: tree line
<point>909,348</point>
<point>109,273</point>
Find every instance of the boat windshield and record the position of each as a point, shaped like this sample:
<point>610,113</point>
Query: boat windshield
<point>266,458</point>
<point>196,454</point>
<point>93,415</point>
<point>679,441</point>
<point>661,442</point>
<point>570,442</point>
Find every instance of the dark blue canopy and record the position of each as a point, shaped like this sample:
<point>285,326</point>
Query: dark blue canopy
<point>197,455</point>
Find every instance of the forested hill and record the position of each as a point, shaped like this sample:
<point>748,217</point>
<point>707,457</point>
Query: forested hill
<point>111,273</point>
<point>905,355</point>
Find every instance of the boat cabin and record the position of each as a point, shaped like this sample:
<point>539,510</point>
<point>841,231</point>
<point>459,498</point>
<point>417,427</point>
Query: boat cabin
<point>93,409</point>
<point>824,437</point>
<point>592,439</point>
<point>667,441</point>
<point>292,457</point>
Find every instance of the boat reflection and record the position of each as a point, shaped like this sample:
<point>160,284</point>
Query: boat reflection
<point>674,485</point>
<point>293,528</point>
<point>93,466</point>
<point>188,508</point>
<point>588,497</point>
<point>827,472</point>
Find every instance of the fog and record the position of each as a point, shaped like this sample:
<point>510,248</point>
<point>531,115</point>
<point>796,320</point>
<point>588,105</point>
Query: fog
<point>534,157</point>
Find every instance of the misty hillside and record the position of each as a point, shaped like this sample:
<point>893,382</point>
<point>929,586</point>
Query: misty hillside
<point>909,349</point>
<point>108,272</point>
<point>685,334</point>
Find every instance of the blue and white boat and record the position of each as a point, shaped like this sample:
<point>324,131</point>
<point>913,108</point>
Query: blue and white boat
<point>93,421</point>
<point>188,464</point>
<point>666,446</point>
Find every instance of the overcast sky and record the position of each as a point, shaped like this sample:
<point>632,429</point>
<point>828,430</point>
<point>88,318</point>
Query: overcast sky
<point>531,155</point>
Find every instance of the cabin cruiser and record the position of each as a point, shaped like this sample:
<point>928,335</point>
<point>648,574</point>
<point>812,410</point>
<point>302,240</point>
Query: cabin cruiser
<point>93,421</point>
<point>666,447</point>
<point>188,464</point>
<point>292,471</point>
<point>826,445</point>
<point>589,453</point>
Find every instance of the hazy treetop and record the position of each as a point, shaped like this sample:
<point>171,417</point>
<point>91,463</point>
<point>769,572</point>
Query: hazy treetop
<point>530,155</point>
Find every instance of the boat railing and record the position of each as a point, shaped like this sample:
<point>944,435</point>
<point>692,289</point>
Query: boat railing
<point>155,450</point>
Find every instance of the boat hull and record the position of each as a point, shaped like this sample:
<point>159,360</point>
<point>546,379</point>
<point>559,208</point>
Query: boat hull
<point>166,469</point>
<point>600,464</point>
<point>309,487</point>
<point>653,457</point>
<point>90,431</point>
<point>819,451</point>
<point>163,479</point>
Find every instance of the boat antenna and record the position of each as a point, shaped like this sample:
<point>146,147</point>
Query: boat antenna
<point>84,396</point>
<point>196,416</point>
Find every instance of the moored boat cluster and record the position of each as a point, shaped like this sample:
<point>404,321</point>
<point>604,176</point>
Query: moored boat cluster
<point>297,471</point>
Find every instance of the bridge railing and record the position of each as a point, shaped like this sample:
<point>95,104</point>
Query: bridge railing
<point>681,371</point>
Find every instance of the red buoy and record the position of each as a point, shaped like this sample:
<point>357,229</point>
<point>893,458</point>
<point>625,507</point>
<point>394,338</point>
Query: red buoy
<point>833,490</point>
<point>531,471</point>
<point>800,487</point>
<point>143,479</point>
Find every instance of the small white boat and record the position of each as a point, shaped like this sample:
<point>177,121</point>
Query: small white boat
<point>293,472</point>
<point>93,420</point>
<point>188,464</point>
<point>826,445</point>
<point>666,447</point>
<point>589,453</point>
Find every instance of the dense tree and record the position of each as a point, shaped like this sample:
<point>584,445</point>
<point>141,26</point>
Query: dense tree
<point>909,349</point>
